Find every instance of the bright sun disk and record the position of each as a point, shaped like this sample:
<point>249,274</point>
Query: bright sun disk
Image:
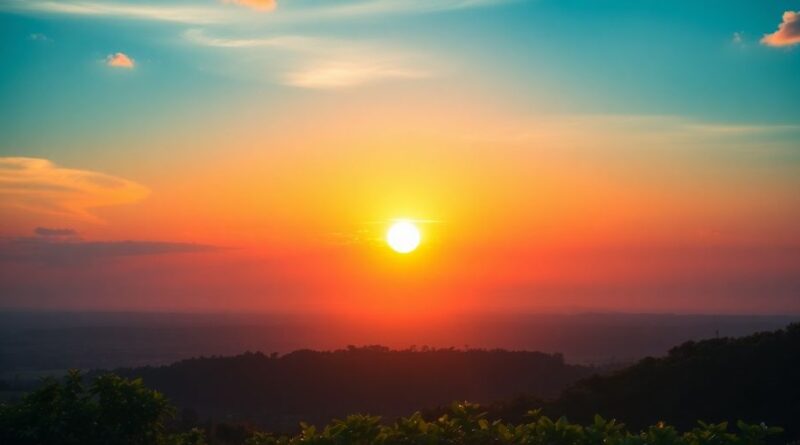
<point>403,236</point>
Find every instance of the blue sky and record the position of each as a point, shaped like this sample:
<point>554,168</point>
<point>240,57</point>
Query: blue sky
<point>625,57</point>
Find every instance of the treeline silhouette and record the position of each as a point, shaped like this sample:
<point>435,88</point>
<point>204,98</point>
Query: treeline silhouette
<point>751,379</point>
<point>754,378</point>
<point>277,392</point>
<point>117,411</point>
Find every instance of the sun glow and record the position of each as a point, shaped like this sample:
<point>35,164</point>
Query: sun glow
<point>403,236</point>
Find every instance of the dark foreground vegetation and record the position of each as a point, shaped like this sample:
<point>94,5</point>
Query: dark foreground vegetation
<point>750,380</point>
<point>117,411</point>
<point>754,378</point>
<point>277,392</point>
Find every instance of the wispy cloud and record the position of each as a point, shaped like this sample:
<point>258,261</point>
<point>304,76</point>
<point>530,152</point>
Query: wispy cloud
<point>557,129</point>
<point>39,37</point>
<point>325,63</point>
<point>179,13</point>
<point>182,13</point>
<point>365,8</point>
<point>344,75</point>
<point>38,185</point>
<point>788,32</point>
<point>120,60</point>
<point>738,129</point>
<point>296,43</point>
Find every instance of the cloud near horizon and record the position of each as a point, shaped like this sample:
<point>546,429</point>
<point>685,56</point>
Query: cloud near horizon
<point>120,60</point>
<point>788,32</point>
<point>60,246</point>
<point>45,231</point>
<point>39,186</point>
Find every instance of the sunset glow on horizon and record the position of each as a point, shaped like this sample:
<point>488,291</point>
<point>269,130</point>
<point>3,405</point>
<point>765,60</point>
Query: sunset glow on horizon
<point>399,160</point>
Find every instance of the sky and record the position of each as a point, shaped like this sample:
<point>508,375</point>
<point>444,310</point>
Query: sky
<point>250,155</point>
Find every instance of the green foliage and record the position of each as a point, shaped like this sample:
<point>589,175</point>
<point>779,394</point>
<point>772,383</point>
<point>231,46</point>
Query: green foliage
<point>112,410</point>
<point>117,411</point>
<point>466,424</point>
<point>194,436</point>
<point>128,412</point>
<point>750,378</point>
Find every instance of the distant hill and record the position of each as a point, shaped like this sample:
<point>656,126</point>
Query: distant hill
<point>39,343</point>
<point>754,378</point>
<point>277,392</point>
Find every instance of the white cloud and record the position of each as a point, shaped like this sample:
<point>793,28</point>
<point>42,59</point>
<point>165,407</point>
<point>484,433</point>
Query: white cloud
<point>345,75</point>
<point>325,63</point>
<point>182,13</point>
<point>39,37</point>
<point>158,12</point>
<point>298,43</point>
<point>388,7</point>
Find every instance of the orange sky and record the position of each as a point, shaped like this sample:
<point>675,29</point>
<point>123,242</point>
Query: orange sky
<point>252,160</point>
<point>549,213</point>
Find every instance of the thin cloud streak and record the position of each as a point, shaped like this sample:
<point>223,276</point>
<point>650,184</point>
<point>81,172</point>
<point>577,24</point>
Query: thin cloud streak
<point>328,63</point>
<point>180,13</point>
<point>165,13</point>
<point>555,127</point>
<point>298,43</point>
<point>738,129</point>
<point>390,7</point>
<point>47,232</point>
<point>44,250</point>
<point>336,76</point>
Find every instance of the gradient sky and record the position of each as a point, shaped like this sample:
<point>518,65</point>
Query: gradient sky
<point>249,155</point>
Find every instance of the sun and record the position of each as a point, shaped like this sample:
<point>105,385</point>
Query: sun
<point>403,236</point>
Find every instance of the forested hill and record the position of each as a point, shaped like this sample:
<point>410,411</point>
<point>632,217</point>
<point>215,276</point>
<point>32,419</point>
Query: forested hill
<point>754,378</point>
<point>280,391</point>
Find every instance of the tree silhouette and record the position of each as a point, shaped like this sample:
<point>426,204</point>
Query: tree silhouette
<point>113,410</point>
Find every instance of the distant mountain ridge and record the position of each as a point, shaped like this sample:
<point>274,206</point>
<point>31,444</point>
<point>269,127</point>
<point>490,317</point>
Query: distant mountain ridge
<point>279,391</point>
<point>754,378</point>
<point>33,344</point>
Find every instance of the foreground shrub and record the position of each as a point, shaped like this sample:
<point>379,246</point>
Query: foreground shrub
<point>117,411</point>
<point>466,424</point>
<point>112,410</point>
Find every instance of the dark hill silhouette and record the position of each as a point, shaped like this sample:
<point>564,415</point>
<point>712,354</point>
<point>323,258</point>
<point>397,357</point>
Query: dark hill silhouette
<point>278,392</point>
<point>754,378</point>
